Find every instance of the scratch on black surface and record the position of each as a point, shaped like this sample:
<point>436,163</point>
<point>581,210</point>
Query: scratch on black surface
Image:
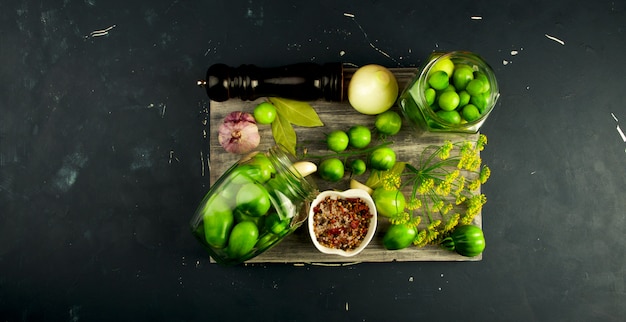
<point>351,16</point>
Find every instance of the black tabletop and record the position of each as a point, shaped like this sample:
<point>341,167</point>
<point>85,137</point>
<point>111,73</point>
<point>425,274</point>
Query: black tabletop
<point>101,136</point>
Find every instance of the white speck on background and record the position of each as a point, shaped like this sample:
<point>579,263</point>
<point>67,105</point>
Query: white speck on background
<point>514,52</point>
<point>614,117</point>
<point>410,278</point>
<point>341,53</point>
<point>619,130</point>
<point>202,162</point>
<point>348,15</point>
<point>476,17</point>
<point>100,33</point>
<point>555,39</point>
<point>506,62</point>
<point>533,172</point>
<point>347,306</point>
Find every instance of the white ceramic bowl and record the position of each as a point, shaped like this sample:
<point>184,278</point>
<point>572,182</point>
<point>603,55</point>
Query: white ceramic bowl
<point>351,193</point>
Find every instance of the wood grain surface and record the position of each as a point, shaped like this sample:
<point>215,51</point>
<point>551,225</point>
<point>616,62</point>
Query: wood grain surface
<point>408,144</point>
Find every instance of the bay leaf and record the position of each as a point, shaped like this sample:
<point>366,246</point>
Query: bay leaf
<point>284,134</point>
<point>297,112</point>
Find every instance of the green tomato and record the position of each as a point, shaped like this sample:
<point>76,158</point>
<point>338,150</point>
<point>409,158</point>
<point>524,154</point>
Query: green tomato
<point>388,123</point>
<point>481,76</point>
<point>388,202</point>
<point>253,200</point>
<point>244,173</point>
<point>267,240</point>
<point>466,240</point>
<point>464,98</point>
<point>449,100</point>
<point>462,75</point>
<point>439,80</point>
<point>331,169</point>
<point>265,113</point>
<point>277,226</point>
<point>337,140</point>
<point>218,220</point>
<point>358,167</point>
<point>399,236</point>
<point>242,239</point>
<point>430,94</point>
<point>382,158</point>
<point>475,87</point>
<point>480,101</point>
<point>359,136</point>
<point>470,113</point>
<point>452,117</point>
<point>443,64</point>
<point>241,216</point>
<point>266,169</point>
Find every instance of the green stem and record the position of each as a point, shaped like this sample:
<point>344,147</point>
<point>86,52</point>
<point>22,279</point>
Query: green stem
<point>348,154</point>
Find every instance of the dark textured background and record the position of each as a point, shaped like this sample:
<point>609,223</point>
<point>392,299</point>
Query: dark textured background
<point>100,141</point>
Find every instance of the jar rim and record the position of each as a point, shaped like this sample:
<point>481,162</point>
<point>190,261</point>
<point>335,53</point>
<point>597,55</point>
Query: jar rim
<point>286,161</point>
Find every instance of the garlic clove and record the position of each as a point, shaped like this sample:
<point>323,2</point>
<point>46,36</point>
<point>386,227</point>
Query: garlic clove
<point>357,185</point>
<point>305,168</point>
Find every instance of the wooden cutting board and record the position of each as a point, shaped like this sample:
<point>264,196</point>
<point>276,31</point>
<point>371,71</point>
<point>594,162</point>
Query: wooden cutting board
<point>298,248</point>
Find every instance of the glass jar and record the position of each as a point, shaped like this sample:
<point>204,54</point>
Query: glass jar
<point>420,101</point>
<point>254,205</point>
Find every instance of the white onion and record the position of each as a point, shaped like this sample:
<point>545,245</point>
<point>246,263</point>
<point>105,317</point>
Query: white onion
<point>373,89</point>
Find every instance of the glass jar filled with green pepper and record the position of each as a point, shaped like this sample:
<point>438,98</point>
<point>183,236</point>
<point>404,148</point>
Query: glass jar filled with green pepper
<point>254,205</point>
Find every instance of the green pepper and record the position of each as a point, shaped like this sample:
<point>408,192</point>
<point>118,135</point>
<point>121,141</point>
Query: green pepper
<point>466,240</point>
<point>218,220</point>
<point>399,236</point>
<point>242,239</point>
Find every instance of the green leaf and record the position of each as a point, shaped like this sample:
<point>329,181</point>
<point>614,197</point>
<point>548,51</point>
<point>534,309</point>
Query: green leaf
<point>284,134</point>
<point>297,112</point>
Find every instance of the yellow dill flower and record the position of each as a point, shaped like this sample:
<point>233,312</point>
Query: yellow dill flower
<point>437,206</point>
<point>444,150</point>
<point>443,189</point>
<point>434,224</point>
<point>460,199</point>
<point>414,204</point>
<point>466,220</point>
<point>460,187</point>
<point>481,142</point>
<point>485,172</point>
<point>426,185</point>
<point>415,221</point>
<point>431,234</point>
<point>400,218</point>
<point>467,161</point>
<point>452,223</point>
<point>420,240</point>
<point>474,185</point>
<point>391,181</point>
<point>450,177</point>
<point>446,209</point>
<point>474,165</point>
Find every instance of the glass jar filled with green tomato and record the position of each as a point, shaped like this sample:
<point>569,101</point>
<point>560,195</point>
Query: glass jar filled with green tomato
<point>454,92</point>
<point>254,205</point>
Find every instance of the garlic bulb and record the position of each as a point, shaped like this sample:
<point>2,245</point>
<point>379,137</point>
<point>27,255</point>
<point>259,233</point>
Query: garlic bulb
<point>239,133</point>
